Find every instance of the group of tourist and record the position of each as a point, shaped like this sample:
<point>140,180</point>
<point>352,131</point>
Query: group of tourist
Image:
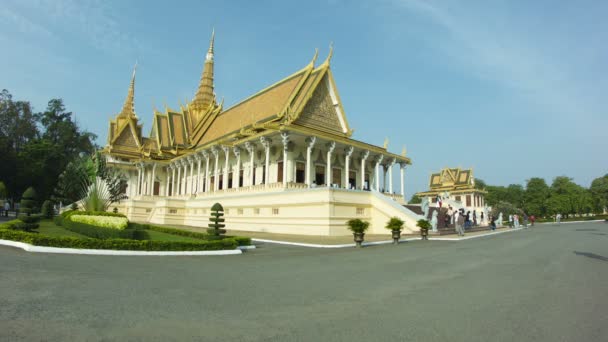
<point>514,220</point>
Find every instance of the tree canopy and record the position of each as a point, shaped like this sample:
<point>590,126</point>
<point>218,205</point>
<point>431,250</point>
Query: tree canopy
<point>37,147</point>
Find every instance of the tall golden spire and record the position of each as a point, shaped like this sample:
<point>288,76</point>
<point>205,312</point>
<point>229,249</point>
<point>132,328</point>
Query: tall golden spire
<point>204,95</point>
<point>128,109</point>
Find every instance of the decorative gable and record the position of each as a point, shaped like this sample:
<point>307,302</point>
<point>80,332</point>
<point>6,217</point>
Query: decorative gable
<point>322,110</point>
<point>126,138</point>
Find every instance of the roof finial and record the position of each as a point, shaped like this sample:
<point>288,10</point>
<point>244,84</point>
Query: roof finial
<point>128,109</point>
<point>331,53</point>
<point>209,56</point>
<point>314,58</point>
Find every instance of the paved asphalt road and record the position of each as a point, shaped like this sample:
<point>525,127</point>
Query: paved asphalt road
<point>545,284</point>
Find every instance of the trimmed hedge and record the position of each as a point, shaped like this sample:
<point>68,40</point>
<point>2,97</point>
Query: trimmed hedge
<point>99,232</point>
<point>116,244</point>
<point>112,222</point>
<point>241,240</point>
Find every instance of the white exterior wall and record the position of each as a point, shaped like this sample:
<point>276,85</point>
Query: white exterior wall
<point>319,211</point>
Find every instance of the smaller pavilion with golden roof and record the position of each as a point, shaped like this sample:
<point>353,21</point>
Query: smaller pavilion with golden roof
<point>454,185</point>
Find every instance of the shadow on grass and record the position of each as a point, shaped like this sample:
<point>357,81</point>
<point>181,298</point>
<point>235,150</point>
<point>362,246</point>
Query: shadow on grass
<point>591,255</point>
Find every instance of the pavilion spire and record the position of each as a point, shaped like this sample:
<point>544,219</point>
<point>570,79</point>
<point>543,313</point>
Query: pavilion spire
<point>128,109</point>
<point>205,95</point>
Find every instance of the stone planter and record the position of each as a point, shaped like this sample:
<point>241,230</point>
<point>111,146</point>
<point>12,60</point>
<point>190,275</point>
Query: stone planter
<point>358,239</point>
<point>424,233</point>
<point>396,234</point>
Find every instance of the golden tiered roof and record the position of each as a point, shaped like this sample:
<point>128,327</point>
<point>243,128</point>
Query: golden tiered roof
<point>306,101</point>
<point>453,180</point>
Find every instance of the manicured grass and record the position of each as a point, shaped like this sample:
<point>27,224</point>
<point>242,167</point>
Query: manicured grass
<point>159,236</point>
<point>48,228</point>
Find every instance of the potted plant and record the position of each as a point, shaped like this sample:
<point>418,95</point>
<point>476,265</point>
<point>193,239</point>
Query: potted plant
<point>424,226</point>
<point>358,227</point>
<point>395,225</point>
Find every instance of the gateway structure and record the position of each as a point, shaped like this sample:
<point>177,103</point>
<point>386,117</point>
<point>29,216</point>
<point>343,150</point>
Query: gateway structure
<point>281,161</point>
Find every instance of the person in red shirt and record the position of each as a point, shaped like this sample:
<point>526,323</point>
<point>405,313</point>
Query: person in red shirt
<point>532,219</point>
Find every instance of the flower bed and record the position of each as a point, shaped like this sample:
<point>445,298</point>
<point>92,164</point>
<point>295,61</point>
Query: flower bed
<point>101,221</point>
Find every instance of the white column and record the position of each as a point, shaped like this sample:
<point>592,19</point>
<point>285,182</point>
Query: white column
<point>310,142</point>
<point>197,187</point>
<point>168,180</point>
<point>146,181</point>
<point>266,143</point>
<point>364,156</point>
<point>378,161</point>
<point>138,189</point>
<point>402,183</point>
<point>153,179</point>
<point>190,189</point>
<point>390,175</point>
<point>179,179</point>
<point>236,175</point>
<point>347,153</point>
<point>216,153</point>
<point>207,181</point>
<point>173,180</point>
<point>330,149</point>
<point>285,141</point>
<point>226,150</point>
<point>251,150</point>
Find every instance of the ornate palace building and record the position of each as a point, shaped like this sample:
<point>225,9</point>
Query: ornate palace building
<point>282,160</point>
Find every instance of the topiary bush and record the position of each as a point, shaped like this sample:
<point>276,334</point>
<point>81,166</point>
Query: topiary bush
<point>215,219</point>
<point>47,209</point>
<point>357,225</point>
<point>28,201</point>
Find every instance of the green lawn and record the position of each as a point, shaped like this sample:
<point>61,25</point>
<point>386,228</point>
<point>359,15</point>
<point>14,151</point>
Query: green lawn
<point>48,227</point>
<point>159,236</point>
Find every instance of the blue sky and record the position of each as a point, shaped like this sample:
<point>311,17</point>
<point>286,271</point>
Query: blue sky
<point>514,89</point>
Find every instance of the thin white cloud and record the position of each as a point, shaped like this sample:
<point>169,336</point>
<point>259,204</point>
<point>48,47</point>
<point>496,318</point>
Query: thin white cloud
<point>22,24</point>
<point>490,45</point>
<point>92,21</point>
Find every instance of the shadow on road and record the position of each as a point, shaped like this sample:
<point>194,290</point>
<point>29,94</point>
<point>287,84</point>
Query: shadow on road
<point>591,255</point>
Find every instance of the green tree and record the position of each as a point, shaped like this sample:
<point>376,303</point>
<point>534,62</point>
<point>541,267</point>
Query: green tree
<point>599,193</point>
<point>3,191</point>
<point>415,199</point>
<point>568,198</point>
<point>480,184</point>
<point>535,197</point>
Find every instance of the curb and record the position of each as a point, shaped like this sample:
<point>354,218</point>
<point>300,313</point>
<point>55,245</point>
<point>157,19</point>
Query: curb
<point>385,242</point>
<point>56,250</point>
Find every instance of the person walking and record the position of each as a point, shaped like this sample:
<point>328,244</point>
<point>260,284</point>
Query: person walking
<point>474,218</point>
<point>525,220</point>
<point>510,221</point>
<point>7,207</point>
<point>532,219</point>
<point>492,223</point>
<point>460,225</point>
<point>446,220</point>
<point>558,218</point>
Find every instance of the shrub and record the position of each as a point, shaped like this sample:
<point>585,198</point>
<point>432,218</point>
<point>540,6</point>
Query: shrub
<point>29,219</point>
<point>357,225</point>
<point>423,224</point>
<point>47,209</point>
<point>101,221</point>
<point>97,232</point>
<point>395,224</point>
<point>114,244</point>
<point>28,201</point>
<point>215,219</point>
<point>241,240</point>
